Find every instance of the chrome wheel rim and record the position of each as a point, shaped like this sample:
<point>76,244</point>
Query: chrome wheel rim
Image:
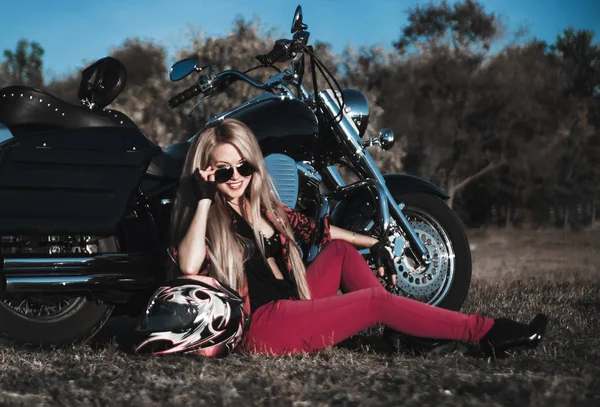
<point>431,285</point>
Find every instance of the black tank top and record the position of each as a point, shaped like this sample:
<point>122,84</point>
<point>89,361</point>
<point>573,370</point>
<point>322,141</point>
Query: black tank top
<point>263,286</point>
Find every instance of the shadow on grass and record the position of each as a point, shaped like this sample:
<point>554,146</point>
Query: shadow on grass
<point>118,331</point>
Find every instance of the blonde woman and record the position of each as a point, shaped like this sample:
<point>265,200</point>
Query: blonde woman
<point>228,224</point>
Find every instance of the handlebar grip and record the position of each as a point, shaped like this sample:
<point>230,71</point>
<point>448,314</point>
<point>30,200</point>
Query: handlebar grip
<point>184,96</point>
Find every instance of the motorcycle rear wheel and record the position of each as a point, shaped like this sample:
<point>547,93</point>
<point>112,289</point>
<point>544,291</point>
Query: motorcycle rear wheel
<point>48,321</point>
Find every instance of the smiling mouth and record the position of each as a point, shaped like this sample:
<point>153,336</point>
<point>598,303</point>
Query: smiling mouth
<point>235,185</point>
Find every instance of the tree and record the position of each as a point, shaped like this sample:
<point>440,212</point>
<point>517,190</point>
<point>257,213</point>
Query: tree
<point>24,65</point>
<point>438,89</point>
<point>465,28</point>
<point>578,159</point>
<point>580,60</point>
<point>367,70</point>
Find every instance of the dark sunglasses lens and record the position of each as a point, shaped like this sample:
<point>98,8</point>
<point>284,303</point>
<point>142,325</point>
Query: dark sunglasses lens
<point>223,174</point>
<point>245,169</point>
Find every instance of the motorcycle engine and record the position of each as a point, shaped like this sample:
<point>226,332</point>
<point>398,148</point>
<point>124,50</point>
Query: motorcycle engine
<point>48,245</point>
<point>297,184</point>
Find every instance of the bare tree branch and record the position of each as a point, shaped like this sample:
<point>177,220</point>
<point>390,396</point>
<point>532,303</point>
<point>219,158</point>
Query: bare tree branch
<point>489,168</point>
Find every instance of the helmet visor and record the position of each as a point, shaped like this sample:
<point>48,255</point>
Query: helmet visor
<point>167,316</point>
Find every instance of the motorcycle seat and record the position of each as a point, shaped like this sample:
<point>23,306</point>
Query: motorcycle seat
<point>169,163</point>
<point>26,109</point>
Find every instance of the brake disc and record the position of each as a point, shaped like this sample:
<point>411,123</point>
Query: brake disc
<point>425,282</point>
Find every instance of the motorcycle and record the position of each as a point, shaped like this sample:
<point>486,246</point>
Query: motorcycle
<point>85,197</point>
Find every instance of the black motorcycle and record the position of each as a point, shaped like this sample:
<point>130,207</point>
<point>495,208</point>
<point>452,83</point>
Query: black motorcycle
<point>85,197</point>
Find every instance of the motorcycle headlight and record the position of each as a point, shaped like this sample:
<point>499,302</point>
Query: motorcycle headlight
<point>357,107</point>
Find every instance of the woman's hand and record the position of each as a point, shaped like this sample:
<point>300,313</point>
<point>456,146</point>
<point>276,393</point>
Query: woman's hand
<point>203,184</point>
<point>383,261</point>
<point>192,248</point>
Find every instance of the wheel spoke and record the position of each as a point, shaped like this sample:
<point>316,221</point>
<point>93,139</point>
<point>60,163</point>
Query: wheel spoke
<point>37,308</point>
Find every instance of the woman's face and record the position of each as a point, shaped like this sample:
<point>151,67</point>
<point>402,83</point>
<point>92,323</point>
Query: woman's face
<point>226,155</point>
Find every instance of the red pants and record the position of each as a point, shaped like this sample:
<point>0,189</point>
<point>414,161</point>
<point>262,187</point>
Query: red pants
<point>290,326</point>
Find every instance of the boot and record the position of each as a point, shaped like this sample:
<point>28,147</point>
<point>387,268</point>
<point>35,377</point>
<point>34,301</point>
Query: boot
<point>506,334</point>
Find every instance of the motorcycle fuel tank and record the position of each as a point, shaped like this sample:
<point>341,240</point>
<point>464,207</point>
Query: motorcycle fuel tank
<point>281,126</point>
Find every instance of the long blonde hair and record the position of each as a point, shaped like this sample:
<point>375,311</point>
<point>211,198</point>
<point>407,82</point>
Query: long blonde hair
<point>223,245</point>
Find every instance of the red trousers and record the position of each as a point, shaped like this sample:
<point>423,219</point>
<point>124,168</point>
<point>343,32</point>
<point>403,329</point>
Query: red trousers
<point>293,326</point>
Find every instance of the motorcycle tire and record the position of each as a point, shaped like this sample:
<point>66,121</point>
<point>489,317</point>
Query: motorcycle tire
<point>76,322</point>
<point>426,211</point>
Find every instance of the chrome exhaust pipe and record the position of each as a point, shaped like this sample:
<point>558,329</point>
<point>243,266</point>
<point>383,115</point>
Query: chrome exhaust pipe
<point>76,275</point>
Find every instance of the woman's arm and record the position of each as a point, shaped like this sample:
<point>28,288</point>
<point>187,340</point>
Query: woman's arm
<point>360,241</point>
<point>351,237</point>
<point>192,248</point>
<point>321,232</point>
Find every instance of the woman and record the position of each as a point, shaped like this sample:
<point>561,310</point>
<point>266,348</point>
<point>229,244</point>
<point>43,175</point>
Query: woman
<point>228,224</point>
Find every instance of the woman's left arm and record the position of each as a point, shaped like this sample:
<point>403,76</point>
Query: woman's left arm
<point>322,232</point>
<point>353,238</point>
<point>360,241</point>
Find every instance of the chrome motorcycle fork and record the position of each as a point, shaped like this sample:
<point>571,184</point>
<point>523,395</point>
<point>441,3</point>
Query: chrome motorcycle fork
<point>420,251</point>
<point>364,163</point>
<point>387,208</point>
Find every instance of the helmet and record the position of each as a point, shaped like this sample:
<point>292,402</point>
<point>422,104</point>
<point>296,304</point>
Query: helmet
<point>192,314</point>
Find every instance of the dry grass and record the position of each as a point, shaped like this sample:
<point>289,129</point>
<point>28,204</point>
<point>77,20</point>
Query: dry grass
<point>515,273</point>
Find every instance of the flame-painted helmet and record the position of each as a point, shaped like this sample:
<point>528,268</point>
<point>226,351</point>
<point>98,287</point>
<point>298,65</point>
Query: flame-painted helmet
<point>192,314</point>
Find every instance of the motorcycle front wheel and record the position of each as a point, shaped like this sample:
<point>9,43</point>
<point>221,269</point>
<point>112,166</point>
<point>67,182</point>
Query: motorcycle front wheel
<point>445,281</point>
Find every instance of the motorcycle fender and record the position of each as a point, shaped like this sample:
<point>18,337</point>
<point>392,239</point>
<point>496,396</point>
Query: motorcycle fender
<point>405,183</point>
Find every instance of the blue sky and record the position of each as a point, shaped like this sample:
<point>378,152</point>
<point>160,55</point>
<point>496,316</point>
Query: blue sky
<point>76,32</point>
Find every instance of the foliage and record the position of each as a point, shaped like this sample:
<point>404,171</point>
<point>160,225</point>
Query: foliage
<point>514,132</point>
<point>24,65</point>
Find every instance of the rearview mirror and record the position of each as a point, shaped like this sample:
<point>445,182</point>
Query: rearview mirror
<point>181,69</point>
<point>297,21</point>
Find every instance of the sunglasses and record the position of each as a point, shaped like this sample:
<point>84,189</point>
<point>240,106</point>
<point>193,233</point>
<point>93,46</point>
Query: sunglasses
<point>224,174</point>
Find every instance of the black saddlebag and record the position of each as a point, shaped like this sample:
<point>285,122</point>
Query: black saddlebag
<point>79,181</point>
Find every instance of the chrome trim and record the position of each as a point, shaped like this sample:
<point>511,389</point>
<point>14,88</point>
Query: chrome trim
<point>285,90</point>
<point>346,130</point>
<point>396,210</point>
<point>120,271</point>
<point>369,226</point>
<point>345,125</point>
<point>335,177</point>
<point>118,261</point>
<point>263,97</point>
<point>384,209</point>
<point>5,135</point>
<point>357,107</point>
<point>387,138</point>
<point>35,263</point>
<point>309,172</point>
<point>304,94</point>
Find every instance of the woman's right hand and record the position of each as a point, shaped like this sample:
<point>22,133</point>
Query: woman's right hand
<point>383,260</point>
<point>203,184</point>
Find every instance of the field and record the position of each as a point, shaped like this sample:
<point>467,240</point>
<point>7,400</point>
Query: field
<point>515,273</point>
